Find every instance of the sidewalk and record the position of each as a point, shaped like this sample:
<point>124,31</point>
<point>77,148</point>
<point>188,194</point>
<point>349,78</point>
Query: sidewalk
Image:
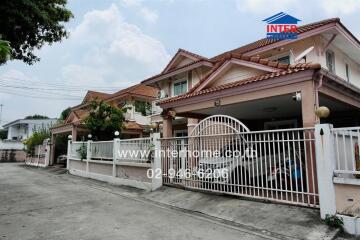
<point>279,221</point>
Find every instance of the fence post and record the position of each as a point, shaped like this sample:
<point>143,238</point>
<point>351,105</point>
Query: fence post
<point>325,166</point>
<point>47,155</point>
<point>116,149</point>
<point>68,155</point>
<point>156,181</point>
<point>88,154</point>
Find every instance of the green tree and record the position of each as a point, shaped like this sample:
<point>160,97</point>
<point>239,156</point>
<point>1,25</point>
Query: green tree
<point>3,134</point>
<point>143,107</point>
<point>65,113</point>
<point>37,138</point>
<point>5,51</point>
<point>103,120</point>
<point>37,116</point>
<point>29,24</point>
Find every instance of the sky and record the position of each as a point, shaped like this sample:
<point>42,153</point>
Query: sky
<point>114,44</point>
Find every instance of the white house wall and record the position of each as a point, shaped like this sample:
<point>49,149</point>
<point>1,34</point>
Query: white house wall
<point>235,73</point>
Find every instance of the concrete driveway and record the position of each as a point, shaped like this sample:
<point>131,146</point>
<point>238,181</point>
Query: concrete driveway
<point>36,204</point>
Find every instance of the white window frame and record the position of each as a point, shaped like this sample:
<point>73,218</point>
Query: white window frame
<point>347,73</point>
<point>326,60</point>
<point>281,55</point>
<point>180,131</point>
<point>177,81</point>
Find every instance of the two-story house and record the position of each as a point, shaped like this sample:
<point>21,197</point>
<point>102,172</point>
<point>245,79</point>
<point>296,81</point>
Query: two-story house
<point>21,129</point>
<point>266,84</point>
<point>137,119</point>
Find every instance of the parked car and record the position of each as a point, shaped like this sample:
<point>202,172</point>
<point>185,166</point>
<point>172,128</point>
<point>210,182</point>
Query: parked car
<point>243,163</point>
<point>61,159</point>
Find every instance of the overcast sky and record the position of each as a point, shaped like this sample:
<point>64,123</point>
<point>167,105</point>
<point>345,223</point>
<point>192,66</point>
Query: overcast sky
<point>117,43</point>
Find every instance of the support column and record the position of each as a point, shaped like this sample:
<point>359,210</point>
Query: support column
<point>52,150</point>
<point>74,133</point>
<point>309,119</point>
<point>308,105</point>
<point>167,127</point>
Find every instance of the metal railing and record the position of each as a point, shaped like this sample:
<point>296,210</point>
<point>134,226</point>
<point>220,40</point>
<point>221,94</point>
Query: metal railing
<point>134,150</point>
<point>102,150</point>
<point>347,149</point>
<point>278,165</point>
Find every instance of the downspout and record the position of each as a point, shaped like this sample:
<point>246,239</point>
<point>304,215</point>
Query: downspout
<point>317,99</point>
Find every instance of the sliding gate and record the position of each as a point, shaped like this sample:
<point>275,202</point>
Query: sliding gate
<point>222,155</point>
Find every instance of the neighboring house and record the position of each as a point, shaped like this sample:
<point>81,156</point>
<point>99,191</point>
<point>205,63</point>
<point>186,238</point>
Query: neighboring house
<point>136,123</point>
<point>21,129</point>
<point>262,85</point>
<point>11,149</point>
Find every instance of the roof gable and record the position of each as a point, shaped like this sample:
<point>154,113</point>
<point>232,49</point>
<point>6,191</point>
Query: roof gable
<point>248,65</point>
<point>181,58</point>
<point>90,95</point>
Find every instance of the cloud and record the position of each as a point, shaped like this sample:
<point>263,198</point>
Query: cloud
<point>113,47</point>
<point>344,7</point>
<point>147,14</point>
<point>264,6</point>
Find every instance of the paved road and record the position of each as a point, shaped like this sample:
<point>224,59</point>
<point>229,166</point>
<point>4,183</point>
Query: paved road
<point>36,204</point>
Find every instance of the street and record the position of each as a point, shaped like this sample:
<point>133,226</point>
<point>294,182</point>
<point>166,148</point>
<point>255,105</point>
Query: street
<point>36,204</point>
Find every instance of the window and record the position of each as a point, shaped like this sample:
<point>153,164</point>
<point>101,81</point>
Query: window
<point>347,69</point>
<point>285,59</point>
<point>330,61</point>
<point>180,87</point>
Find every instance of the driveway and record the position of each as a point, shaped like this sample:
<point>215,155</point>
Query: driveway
<point>36,204</point>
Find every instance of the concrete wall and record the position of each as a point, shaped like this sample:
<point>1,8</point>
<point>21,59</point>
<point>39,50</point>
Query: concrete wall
<point>129,174</point>
<point>12,155</point>
<point>348,199</point>
<point>9,144</point>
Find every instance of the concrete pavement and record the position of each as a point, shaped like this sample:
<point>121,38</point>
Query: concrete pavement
<point>37,204</point>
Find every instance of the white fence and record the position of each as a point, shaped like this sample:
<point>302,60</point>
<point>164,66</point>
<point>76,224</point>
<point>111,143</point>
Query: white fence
<point>122,150</point>
<point>102,150</point>
<point>76,150</point>
<point>346,150</point>
<point>277,165</point>
<point>134,150</point>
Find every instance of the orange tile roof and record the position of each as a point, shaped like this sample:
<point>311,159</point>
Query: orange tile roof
<point>266,41</point>
<point>138,89</point>
<point>291,69</point>
<point>130,125</point>
<point>246,48</point>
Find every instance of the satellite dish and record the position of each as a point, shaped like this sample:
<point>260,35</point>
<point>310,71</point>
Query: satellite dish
<point>303,54</point>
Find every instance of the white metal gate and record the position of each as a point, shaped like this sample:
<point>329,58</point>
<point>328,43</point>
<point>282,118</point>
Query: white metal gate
<point>222,155</point>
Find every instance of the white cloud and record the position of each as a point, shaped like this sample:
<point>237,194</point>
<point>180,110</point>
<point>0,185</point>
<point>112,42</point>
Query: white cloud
<point>110,34</point>
<point>149,15</point>
<point>335,7</point>
<point>264,6</point>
